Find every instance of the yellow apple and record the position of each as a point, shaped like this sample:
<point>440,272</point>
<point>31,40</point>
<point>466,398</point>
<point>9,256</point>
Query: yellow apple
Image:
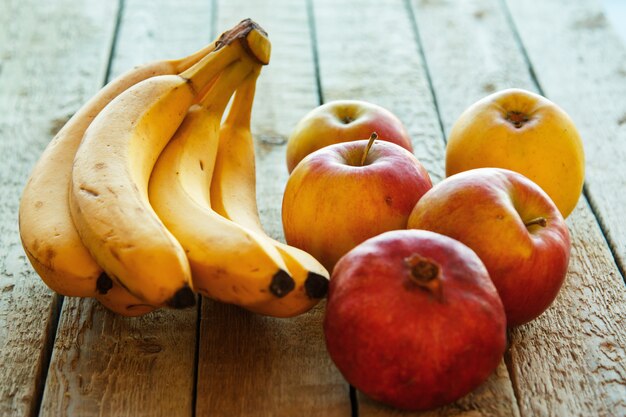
<point>524,132</point>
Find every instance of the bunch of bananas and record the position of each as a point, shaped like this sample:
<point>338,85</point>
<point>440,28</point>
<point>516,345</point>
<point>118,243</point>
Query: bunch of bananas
<point>146,196</point>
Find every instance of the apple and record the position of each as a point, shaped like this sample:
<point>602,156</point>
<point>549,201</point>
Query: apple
<point>336,198</point>
<point>413,320</point>
<point>513,226</point>
<point>524,132</point>
<point>343,121</point>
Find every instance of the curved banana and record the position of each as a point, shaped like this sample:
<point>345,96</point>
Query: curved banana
<point>228,263</point>
<point>109,187</point>
<point>233,195</point>
<point>48,235</point>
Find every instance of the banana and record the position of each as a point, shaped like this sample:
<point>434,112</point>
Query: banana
<point>109,185</point>
<point>228,262</point>
<point>233,195</point>
<point>48,235</point>
<point>118,300</point>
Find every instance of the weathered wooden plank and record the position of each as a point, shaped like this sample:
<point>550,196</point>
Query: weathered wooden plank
<point>368,52</point>
<point>251,365</point>
<point>52,55</point>
<point>567,362</point>
<point>570,361</point>
<point>373,55</point>
<point>103,364</point>
<point>581,64</point>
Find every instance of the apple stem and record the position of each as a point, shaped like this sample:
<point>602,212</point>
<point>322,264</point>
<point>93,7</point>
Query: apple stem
<point>517,118</point>
<point>373,137</point>
<point>541,221</point>
<point>426,275</point>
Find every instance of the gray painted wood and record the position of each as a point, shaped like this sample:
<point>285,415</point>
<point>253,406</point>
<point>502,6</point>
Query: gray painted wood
<point>372,55</point>
<point>581,64</point>
<point>53,55</point>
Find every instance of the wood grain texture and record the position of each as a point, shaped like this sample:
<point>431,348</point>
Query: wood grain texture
<point>372,55</point>
<point>362,58</point>
<point>103,364</point>
<point>566,362</point>
<point>470,51</point>
<point>581,65</point>
<point>52,55</point>
<point>571,360</point>
<point>251,365</point>
<point>155,30</point>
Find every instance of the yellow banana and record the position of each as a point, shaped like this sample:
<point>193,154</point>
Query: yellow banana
<point>48,235</point>
<point>233,195</point>
<point>109,186</point>
<point>228,263</point>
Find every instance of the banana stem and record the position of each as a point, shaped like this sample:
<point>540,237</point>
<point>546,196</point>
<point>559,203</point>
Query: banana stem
<point>373,137</point>
<point>247,40</point>
<point>253,39</point>
<point>226,83</point>
<point>184,64</point>
<point>241,109</point>
<point>210,66</point>
<point>541,221</point>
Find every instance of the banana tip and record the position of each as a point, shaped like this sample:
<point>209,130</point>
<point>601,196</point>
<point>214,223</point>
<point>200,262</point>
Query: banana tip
<point>104,284</point>
<point>316,285</point>
<point>183,298</point>
<point>282,284</point>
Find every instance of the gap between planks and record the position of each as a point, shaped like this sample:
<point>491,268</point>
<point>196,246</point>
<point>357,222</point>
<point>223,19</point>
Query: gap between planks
<point>535,80</point>
<point>574,311</point>
<point>51,331</point>
<point>264,366</point>
<point>56,317</point>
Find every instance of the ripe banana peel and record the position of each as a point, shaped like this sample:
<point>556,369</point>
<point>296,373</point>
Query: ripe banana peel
<point>152,138</point>
<point>109,185</point>
<point>233,195</point>
<point>228,262</point>
<point>48,235</point>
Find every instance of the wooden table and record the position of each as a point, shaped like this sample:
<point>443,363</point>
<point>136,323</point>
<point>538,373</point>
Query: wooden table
<point>426,61</point>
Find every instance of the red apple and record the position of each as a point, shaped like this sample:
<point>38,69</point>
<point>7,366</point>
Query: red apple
<point>333,202</point>
<point>343,121</point>
<point>413,320</point>
<point>513,226</point>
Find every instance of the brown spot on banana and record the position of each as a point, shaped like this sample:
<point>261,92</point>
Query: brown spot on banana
<point>89,191</point>
<point>115,254</point>
<point>183,298</point>
<point>50,254</point>
<point>282,284</point>
<point>315,285</point>
<point>104,283</point>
